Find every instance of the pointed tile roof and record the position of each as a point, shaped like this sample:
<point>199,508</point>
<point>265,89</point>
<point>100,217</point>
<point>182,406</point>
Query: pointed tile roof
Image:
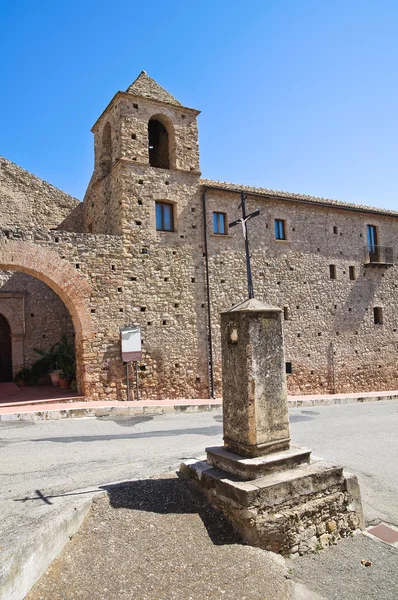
<point>147,87</point>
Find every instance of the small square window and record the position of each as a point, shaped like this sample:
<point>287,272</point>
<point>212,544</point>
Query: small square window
<point>378,315</point>
<point>164,216</point>
<point>219,223</point>
<point>279,225</point>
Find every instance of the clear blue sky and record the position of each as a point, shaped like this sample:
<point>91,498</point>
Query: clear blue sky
<point>297,95</point>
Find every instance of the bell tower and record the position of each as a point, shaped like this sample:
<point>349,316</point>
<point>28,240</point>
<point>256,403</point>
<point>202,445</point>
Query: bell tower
<point>145,151</point>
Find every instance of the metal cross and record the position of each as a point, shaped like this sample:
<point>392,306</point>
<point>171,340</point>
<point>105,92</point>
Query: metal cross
<point>243,221</point>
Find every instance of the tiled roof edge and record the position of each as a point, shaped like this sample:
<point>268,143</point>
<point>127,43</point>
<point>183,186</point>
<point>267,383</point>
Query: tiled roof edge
<point>234,187</point>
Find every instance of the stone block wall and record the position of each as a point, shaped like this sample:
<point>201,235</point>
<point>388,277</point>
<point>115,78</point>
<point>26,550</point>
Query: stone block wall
<point>156,290</point>
<point>157,280</point>
<point>29,201</point>
<point>330,336</point>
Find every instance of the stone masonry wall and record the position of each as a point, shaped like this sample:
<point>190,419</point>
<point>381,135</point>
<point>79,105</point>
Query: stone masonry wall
<point>330,336</point>
<point>156,280</point>
<point>166,296</point>
<point>28,201</point>
<point>156,291</point>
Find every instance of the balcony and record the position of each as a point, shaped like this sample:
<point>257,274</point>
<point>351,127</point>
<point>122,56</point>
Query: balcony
<point>379,256</point>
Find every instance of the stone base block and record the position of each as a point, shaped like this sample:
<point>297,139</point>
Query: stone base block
<point>291,511</point>
<point>254,468</point>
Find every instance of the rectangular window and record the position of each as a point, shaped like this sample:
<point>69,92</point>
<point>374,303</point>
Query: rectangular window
<point>279,229</point>
<point>352,273</point>
<point>219,223</point>
<point>373,247</point>
<point>164,216</point>
<point>288,368</point>
<point>332,271</point>
<point>372,237</point>
<point>378,315</point>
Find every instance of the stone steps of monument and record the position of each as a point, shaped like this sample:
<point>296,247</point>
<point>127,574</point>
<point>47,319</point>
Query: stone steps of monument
<point>260,466</point>
<point>305,480</point>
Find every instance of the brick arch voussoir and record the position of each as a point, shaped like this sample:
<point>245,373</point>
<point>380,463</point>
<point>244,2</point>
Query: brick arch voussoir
<point>47,266</point>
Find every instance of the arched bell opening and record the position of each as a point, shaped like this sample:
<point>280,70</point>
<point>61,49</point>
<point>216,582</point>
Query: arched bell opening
<point>160,136</point>
<point>106,149</point>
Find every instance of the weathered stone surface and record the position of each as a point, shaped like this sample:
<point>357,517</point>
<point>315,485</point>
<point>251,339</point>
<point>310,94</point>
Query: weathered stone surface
<point>26,200</point>
<point>253,468</point>
<point>255,413</point>
<point>286,512</point>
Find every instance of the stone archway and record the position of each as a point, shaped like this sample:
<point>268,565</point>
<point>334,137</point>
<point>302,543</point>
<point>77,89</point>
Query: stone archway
<point>73,289</point>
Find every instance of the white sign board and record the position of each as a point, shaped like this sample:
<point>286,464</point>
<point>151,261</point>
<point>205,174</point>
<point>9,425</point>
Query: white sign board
<point>131,344</point>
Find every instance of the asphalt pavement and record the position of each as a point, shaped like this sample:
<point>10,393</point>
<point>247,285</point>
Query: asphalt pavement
<point>43,461</point>
<point>57,457</point>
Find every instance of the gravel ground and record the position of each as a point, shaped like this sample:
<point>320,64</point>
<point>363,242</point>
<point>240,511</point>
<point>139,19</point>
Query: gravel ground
<point>337,572</point>
<point>159,539</point>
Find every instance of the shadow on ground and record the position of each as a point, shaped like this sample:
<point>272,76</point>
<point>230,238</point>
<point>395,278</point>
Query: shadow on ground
<point>210,431</point>
<point>173,496</point>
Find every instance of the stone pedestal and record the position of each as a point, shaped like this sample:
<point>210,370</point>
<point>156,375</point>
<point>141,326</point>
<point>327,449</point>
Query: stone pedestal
<point>254,382</point>
<point>274,493</point>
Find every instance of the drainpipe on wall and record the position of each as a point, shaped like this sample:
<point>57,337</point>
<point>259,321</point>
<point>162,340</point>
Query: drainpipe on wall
<point>209,334</point>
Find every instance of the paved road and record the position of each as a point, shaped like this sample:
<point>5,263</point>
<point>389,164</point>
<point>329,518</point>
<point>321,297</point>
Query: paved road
<point>57,457</point>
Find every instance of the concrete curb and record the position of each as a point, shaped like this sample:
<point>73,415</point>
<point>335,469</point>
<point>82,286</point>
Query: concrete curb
<point>69,412</point>
<point>121,411</point>
<point>25,558</point>
<point>337,400</point>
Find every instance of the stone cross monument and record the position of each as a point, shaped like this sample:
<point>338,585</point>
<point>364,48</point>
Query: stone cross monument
<point>274,493</point>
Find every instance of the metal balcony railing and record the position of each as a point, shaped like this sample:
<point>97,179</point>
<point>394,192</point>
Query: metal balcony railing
<point>382,256</point>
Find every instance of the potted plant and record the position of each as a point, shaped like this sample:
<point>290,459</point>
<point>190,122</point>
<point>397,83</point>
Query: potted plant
<point>54,376</point>
<point>23,377</point>
<point>66,362</point>
<point>64,380</point>
<point>58,360</point>
<point>47,364</point>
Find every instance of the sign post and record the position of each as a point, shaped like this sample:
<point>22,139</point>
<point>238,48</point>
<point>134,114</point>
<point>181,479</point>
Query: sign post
<point>130,338</point>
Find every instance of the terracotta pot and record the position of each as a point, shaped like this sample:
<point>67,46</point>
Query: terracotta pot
<point>63,384</point>
<point>55,378</point>
<point>21,383</point>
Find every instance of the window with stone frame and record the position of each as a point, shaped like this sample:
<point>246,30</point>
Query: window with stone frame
<point>219,223</point>
<point>164,216</point>
<point>280,229</point>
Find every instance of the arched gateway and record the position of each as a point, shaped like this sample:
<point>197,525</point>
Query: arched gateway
<point>75,292</point>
